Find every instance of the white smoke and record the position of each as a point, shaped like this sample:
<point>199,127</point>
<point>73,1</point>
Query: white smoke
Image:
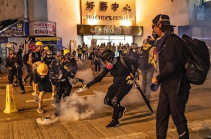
<point>86,75</point>
<point>76,107</point>
<point>132,98</point>
<point>43,121</point>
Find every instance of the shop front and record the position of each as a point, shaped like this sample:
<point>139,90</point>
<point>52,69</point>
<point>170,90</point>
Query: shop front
<point>12,36</point>
<point>44,31</point>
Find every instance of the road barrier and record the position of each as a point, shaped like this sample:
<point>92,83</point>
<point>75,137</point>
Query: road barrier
<point>10,102</point>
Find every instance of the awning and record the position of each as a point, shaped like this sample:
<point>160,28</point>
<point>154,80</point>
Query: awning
<point>12,27</point>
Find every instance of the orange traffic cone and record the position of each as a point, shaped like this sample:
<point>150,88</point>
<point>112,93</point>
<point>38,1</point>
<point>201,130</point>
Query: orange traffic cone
<point>10,102</point>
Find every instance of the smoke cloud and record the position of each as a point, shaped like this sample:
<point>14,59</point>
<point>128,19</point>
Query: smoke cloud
<point>86,75</point>
<point>77,107</point>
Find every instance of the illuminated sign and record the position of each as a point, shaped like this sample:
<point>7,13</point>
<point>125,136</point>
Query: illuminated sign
<point>109,30</point>
<point>107,12</point>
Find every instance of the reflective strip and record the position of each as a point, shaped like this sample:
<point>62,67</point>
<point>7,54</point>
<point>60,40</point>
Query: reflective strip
<point>182,134</point>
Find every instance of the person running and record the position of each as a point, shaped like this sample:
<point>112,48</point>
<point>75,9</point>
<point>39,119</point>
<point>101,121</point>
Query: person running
<point>122,82</point>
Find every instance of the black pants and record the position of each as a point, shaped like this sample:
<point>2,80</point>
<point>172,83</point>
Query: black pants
<point>172,103</point>
<point>63,89</point>
<point>97,65</point>
<point>30,73</point>
<point>79,56</point>
<point>18,72</point>
<point>115,94</point>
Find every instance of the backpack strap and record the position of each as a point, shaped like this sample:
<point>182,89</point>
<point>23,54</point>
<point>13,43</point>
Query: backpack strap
<point>126,66</point>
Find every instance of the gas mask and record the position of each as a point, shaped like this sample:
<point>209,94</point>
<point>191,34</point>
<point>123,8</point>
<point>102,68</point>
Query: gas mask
<point>110,65</point>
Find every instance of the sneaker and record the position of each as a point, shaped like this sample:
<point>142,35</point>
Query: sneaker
<point>121,113</point>
<point>34,94</point>
<point>24,81</point>
<point>39,110</point>
<point>50,117</point>
<point>113,123</point>
<point>23,92</point>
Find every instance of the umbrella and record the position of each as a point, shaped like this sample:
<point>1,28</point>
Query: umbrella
<point>143,96</point>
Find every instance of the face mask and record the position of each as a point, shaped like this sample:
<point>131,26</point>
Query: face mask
<point>110,65</point>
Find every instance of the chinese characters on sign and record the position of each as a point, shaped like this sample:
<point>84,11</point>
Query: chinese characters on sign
<point>89,5</point>
<point>115,6</point>
<point>42,29</point>
<point>104,6</point>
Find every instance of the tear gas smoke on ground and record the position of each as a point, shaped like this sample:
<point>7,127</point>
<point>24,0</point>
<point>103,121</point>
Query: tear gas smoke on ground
<point>132,98</point>
<point>76,107</point>
<point>86,75</point>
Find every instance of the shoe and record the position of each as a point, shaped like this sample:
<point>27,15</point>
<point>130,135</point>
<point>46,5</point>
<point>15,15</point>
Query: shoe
<point>39,110</point>
<point>33,94</point>
<point>82,82</point>
<point>113,123</point>
<point>24,81</point>
<point>121,113</point>
<point>23,92</point>
<point>50,117</point>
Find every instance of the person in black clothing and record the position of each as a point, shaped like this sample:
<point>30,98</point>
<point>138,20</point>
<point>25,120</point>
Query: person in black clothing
<point>97,62</point>
<point>59,74</point>
<point>174,90</point>
<point>42,83</point>
<point>15,64</point>
<point>36,55</point>
<point>122,82</point>
<point>27,59</point>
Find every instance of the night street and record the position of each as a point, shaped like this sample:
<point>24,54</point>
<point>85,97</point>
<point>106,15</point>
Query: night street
<point>137,122</point>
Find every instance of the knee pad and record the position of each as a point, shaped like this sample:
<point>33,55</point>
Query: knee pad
<point>107,101</point>
<point>115,102</point>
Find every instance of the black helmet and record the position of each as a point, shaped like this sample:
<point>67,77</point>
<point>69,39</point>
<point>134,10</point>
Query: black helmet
<point>107,55</point>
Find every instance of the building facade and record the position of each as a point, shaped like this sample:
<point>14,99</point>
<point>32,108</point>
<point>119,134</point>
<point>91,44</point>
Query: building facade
<point>117,16</point>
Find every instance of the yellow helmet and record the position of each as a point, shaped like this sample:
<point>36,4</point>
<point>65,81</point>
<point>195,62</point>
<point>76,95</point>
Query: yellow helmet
<point>39,43</point>
<point>66,51</point>
<point>42,69</point>
<point>46,48</point>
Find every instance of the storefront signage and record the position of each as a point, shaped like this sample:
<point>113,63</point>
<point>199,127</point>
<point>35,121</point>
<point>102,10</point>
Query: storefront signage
<point>14,30</point>
<point>109,30</point>
<point>107,12</point>
<point>100,17</point>
<point>3,39</point>
<point>47,39</point>
<point>104,6</point>
<point>41,28</point>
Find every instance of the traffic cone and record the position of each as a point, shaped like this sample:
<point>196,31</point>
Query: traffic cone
<point>10,102</point>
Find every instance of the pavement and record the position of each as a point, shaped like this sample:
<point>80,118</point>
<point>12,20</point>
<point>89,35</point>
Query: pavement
<point>137,122</point>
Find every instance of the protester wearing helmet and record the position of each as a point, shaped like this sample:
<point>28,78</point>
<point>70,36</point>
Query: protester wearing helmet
<point>36,55</point>
<point>121,83</point>
<point>53,67</point>
<point>59,76</point>
<point>15,64</point>
<point>42,83</point>
<point>70,64</point>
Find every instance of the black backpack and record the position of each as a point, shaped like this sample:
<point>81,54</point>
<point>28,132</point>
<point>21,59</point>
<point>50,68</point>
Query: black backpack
<point>197,60</point>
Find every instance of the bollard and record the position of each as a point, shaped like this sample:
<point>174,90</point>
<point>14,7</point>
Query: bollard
<point>10,102</point>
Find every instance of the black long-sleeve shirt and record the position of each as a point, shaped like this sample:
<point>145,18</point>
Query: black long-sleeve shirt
<point>119,71</point>
<point>171,58</point>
